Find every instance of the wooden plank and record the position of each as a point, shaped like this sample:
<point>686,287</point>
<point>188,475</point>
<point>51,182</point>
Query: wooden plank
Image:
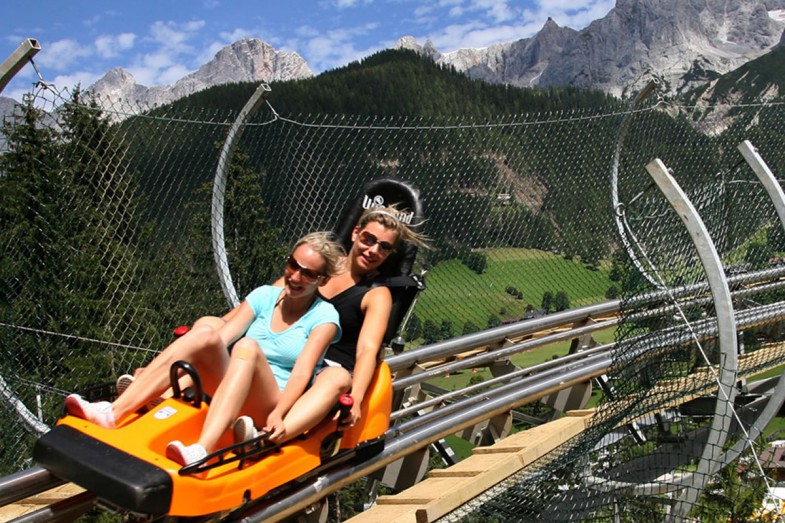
<point>54,495</point>
<point>471,466</point>
<point>421,493</point>
<point>509,465</point>
<point>539,442</point>
<point>38,501</point>
<point>557,431</point>
<point>446,489</point>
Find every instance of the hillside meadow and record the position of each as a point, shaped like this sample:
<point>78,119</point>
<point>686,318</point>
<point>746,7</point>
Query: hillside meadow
<point>456,293</point>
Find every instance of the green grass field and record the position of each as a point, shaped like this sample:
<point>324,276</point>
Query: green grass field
<point>458,294</point>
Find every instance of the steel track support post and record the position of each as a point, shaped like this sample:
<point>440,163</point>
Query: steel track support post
<point>727,336</point>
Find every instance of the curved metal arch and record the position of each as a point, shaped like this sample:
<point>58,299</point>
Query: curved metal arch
<point>618,207</point>
<point>219,191</point>
<point>777,398</point>
<point>727,337</point>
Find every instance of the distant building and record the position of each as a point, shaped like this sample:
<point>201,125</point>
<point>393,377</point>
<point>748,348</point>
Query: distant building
<point>773,460</point>
<point>504,198</point>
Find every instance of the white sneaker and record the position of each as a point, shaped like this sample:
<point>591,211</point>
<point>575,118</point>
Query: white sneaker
<point>99,413</point>
<point>183,455</point>
<point>123,382</point>
<point>243,429</point>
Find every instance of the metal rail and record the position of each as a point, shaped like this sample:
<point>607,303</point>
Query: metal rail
<point>457,412</point>
<point>26,483</point>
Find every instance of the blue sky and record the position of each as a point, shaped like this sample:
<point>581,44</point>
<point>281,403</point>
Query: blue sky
<point>161,41</point>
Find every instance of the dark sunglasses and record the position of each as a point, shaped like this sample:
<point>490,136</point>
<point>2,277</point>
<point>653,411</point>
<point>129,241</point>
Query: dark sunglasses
<point>306,274</point>
<point>369,240</point>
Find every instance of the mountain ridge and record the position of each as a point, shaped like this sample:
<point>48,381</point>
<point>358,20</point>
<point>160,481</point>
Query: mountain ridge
<point>685,44</point>
<point>246,60</point>
<point>681,43</point>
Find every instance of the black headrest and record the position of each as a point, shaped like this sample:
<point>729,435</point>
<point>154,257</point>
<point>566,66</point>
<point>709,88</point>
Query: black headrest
<point>378,193</point>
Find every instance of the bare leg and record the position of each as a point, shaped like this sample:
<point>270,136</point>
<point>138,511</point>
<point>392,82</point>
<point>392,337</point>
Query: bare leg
<point>185,381</point>
<point>316,402</point>
<point>248,376</point>
<point>202,347</point>
<point>205,321</point>
<point>209,321</point>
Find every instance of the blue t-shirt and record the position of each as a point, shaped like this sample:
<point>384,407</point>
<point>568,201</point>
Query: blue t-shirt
<point>283,348</point>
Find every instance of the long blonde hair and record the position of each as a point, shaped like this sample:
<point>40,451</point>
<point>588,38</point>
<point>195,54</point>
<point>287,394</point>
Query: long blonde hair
<point>389,217</point>
<point>329,250</point>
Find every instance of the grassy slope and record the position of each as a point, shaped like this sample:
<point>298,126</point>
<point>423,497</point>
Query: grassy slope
<point>456,293</point>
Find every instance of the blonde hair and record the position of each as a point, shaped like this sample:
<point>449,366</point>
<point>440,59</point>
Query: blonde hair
<point>389,218</point>
<point>329,250</point>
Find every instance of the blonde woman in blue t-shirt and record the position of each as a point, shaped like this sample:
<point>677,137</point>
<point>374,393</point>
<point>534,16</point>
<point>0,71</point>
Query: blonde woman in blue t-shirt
<point>280,336</point>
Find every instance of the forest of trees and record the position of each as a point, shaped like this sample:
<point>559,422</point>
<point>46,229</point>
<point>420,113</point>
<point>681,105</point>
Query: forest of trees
<point>79,259</point>
<point>398,87</point>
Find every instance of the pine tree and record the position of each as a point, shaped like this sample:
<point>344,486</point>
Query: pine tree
<point>547,301</point>
<point>29,186</point>
<point>561,302</point>
<point>68,233</point>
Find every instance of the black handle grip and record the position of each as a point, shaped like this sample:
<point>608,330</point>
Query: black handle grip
<point>191,371</point>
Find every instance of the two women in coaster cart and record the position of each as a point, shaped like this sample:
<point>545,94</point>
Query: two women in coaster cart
<point>276,369</point>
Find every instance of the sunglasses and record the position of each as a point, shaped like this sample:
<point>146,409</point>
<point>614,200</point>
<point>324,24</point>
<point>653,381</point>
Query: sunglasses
<point>309,275</point>
<point>369,240</point>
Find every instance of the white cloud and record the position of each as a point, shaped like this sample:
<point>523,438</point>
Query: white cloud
<point>171,74</point>
<point>17,93</point>
<point>480,23</point>
<point>333,48</point>
<point>66,82</point>
<point>14,39</point>
<point>111,46</point>
<point>571,13</point>
<point>348,4</point>
<point>497,10</point>
<point>174,37</point>
<point>448,3</point>
<point>93,21</point>
<point>237,34</point>
<point>171,53</point>
<point>458,36</point>
<point>62,54</point>
<point>424,11</point>
<point>565,5</point>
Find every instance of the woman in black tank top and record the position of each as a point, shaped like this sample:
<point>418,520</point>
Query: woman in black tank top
<point>364,307</point>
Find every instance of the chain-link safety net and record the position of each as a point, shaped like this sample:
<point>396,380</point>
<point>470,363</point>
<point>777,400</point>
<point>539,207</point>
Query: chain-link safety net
<point>679,433</point>
<point>108,219</point>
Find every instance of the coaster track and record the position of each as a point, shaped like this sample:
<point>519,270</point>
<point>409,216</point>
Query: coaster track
<point>419,421</point>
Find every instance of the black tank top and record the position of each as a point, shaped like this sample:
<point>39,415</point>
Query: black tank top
<point>349,306</point>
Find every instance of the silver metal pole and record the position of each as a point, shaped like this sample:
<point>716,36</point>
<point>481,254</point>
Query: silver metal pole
<point>766,177</point>
<point>618,207</point>
<point>452,346</point>
<point>26,483</point>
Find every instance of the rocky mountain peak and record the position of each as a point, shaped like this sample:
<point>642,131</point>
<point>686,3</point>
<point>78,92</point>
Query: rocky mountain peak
<point>682,42</point>
<point>550,25</point>
<point>247,60</point>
